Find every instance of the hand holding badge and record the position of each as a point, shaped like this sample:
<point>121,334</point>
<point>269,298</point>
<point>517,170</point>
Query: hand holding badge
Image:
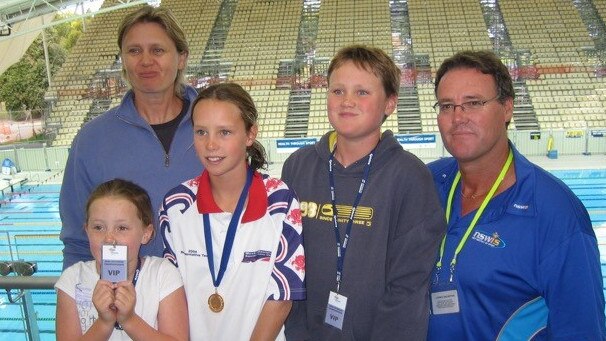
<point>114,267</point>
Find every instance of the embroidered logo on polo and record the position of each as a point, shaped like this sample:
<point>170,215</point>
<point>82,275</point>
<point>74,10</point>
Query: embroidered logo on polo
<point>253,256</point>
<point>492,240</point>
<point>190,252</point>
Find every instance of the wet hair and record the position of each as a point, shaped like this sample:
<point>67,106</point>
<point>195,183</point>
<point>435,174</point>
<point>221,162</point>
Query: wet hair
<point>127,190</point>
<point>236,95</point>
<point>370,59</point>
<point>163,17</point>
<point>484,61</point>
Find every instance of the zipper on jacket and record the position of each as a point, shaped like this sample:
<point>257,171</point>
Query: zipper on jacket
<point>149,128</point>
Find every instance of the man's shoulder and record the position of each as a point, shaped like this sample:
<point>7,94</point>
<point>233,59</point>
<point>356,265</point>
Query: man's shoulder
<point>302,158</point>
<point>552,189</point>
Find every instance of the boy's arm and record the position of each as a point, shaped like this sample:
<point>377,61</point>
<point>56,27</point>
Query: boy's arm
<point>295,327</point>
<point>296,323</point>
<point>403,310</point>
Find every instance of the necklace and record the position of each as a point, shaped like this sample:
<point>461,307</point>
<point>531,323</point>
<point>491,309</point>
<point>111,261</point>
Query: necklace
<point>473,196</point>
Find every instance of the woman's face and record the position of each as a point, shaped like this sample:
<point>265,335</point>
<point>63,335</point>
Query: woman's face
<point>150,59</point>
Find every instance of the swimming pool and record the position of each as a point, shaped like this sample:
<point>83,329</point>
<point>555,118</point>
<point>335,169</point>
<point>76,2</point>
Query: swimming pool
<point>29,230</point>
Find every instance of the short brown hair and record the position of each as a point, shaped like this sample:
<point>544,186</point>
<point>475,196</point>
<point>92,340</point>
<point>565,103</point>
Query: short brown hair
<point>484,61</point>
<point>371,59</point>
<point>163,17</point>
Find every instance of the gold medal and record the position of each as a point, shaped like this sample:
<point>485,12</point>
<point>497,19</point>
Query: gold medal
<point>215,302</point>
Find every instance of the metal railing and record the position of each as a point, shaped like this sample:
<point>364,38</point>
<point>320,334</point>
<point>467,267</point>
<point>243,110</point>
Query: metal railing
<point>18,275</point>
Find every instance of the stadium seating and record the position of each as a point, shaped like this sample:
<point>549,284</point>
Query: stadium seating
<point>95,50</point>
<point>279,51</point>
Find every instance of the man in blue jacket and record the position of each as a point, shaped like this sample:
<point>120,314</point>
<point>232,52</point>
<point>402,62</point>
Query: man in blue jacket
<point>520,259</point>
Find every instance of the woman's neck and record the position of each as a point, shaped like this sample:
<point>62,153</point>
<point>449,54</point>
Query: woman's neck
<point>158,108</point>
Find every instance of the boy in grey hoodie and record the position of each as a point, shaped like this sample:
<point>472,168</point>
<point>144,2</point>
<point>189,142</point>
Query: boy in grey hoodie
<point>371,218</point>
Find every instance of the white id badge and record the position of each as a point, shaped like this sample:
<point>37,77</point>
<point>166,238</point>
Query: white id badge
<point>445,302</point>
<point>114,263</point>
<point>335,310</point>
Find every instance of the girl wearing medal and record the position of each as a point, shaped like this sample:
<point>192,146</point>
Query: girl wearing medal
<point>233,233</point>
<point>149,305</point>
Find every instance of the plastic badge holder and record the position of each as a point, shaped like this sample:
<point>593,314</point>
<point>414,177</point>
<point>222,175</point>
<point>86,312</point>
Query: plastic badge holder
<point>114,263</point>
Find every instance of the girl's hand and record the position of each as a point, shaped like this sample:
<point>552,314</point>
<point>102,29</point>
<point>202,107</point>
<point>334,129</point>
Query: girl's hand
<point>125,301</point>
<point>103,300</point>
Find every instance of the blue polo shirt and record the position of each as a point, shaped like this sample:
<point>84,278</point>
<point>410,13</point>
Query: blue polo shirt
<point>530,269</point>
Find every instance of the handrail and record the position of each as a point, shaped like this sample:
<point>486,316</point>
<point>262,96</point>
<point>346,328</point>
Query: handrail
<point>28,282</point>
<point>24,281</point>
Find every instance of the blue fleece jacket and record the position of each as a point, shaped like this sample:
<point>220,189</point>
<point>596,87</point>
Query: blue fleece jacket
<point>121,144</point>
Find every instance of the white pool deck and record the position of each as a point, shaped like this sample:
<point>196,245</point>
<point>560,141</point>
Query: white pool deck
<point>595,161</point>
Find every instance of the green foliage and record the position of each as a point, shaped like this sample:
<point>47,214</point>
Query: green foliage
<point>22,86</point>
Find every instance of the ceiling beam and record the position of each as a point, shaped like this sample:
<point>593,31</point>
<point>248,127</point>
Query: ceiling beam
<point>125,4</point>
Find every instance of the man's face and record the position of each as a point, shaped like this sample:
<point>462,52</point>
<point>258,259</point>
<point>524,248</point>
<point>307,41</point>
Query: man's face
<point>472,134</point>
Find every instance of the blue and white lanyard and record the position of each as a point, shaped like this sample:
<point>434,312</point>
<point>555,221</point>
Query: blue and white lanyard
<point>229,238</point>
<point>341,248</point>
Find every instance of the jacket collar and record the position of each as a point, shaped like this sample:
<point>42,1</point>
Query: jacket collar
<point>127,110</point>
<point>521,199</point>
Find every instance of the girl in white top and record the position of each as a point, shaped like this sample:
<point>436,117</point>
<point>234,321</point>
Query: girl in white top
<point>234,233</point>
<point>149,305</point>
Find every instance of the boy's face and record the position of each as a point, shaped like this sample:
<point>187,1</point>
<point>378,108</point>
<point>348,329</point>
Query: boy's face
<point>357,102</point>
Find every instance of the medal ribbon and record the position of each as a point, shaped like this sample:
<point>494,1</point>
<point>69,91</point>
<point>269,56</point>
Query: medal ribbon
<point>341,248</point>
<point>475,219</point>
<point>135,279</point>
<point>229,238</point>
